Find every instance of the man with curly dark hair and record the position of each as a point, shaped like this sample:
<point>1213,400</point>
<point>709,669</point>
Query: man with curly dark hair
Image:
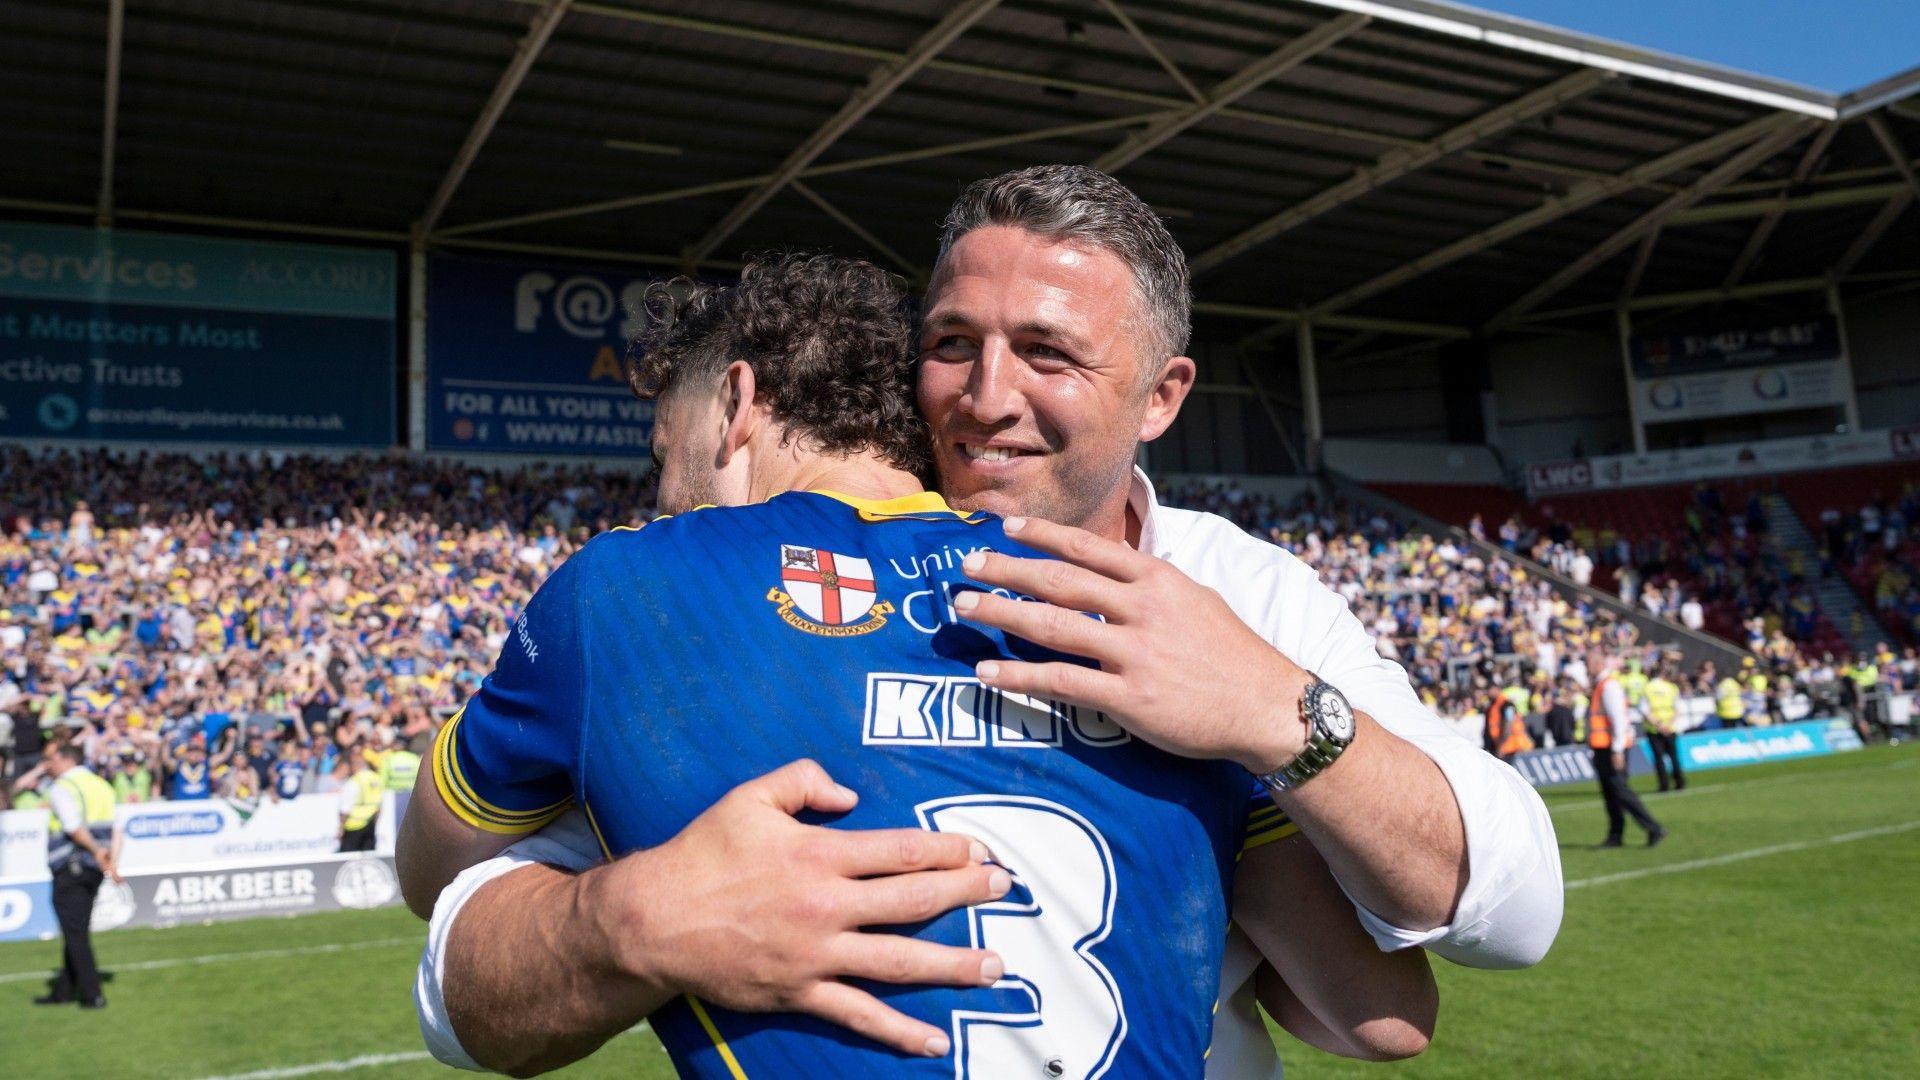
<point>823,344</point>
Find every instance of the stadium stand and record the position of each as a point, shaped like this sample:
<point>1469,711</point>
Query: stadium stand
<point>145,598</point>
<point>317,601</point>
<point>1805,554</point>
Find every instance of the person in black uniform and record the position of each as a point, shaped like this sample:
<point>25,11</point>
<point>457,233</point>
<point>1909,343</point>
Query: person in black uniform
<point>80,856</point>
<point>1559,716</point>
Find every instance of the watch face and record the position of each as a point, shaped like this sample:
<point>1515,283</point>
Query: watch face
<point>1334,714</point>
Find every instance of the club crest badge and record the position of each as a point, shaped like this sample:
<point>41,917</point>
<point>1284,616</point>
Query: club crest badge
<point>827,594</point>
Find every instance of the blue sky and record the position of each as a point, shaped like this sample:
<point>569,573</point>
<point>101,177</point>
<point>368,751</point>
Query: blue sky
<point>1834,45</point>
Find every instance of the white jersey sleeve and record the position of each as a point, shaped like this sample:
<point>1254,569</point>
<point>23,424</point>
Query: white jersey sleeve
<point>567,843</point>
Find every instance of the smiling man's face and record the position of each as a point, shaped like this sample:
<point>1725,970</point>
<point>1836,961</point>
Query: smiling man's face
<point>1036,378</point>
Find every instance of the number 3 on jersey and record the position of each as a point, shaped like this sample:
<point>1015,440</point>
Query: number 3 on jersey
<point>1045,928</point>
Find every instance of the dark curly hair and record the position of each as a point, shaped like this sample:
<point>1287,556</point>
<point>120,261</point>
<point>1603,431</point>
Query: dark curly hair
<point>829,339</point>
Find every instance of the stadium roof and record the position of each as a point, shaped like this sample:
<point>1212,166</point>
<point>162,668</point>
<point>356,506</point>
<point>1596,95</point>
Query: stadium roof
<point>1381,165</point>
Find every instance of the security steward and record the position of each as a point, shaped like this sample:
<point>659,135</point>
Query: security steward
<point>1760,706</point>
<point>1635,682</point>
<point>399,769</point>
<point>1505,730</point>
<point>1729,704</point>
<point>1663,725</point>
<point>1864,676</point>
<point>360,802</point>
<point>80,856</point>
<point>1610,736</point>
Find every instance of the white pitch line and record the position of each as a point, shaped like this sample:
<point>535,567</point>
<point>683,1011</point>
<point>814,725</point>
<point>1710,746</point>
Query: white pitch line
<point>221,958</point>
<point>1742,856</point>
<point>1725,785</point>
<point>364,1061</point>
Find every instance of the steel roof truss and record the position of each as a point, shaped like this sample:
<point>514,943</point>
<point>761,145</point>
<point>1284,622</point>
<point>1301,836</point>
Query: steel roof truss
<point>883,81</point>
<point>524,55</point>
<point>1397,163</point>
<point>1725,173</point>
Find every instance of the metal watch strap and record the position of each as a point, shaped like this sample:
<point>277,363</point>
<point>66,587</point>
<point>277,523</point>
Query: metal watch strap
<point>1320,751</point>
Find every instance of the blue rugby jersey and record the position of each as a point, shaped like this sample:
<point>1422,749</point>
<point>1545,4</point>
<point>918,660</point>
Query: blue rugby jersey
<point>658,668</point>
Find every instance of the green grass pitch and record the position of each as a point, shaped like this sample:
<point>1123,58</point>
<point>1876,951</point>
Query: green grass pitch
<point>1776,934</point>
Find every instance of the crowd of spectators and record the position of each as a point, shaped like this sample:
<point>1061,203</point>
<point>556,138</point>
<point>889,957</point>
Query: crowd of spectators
<point>196,622</point>
<point>1877,547</point>
<point>1468,624</point>
<point>234,625</point>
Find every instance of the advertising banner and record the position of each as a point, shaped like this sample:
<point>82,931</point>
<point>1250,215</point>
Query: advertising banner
<point>209,831</point>
<point>1728,459</point>
<point>1752,746</point>
<point>1571,765</point>
<point>530,358</point>
<point>115,335</point>
<point>201,860</point>
<point>1736,369</point>
<point>23,845</point>
<point>201,894</point>
<point>26,910</point>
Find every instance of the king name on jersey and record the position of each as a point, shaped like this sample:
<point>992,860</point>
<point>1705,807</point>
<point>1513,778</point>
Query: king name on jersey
<point>953,710</point>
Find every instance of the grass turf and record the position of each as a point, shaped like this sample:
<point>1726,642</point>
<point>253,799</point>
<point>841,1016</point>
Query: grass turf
<point>1795,962</point>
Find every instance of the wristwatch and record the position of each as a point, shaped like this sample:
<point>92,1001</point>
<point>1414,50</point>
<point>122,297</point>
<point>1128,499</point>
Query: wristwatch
<point>1329,732</point>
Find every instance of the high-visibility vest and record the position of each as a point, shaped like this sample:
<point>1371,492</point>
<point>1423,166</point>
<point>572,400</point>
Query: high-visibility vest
<point>1727,694</point>
<point>1662,696</point>
<point>96,806</point>
<point>402,768</point>
<point>95,795</point>
<point>1497,711</point>
<point>1635,684</point>
<point>367,792</point>
<point>1518,695</point>
<point>1866,676</point>
<point>1515,739</point>
<point>1599,724</point>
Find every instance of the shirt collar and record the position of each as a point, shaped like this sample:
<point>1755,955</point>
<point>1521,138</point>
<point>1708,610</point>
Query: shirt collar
<point>1144,505</point>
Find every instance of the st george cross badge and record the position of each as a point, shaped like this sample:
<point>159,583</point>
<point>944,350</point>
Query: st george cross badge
<point>828,594</point>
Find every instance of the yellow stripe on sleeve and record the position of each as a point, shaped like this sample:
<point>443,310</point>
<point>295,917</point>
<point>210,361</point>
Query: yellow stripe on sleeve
<point>1264,836</point>
<point>467,804</point>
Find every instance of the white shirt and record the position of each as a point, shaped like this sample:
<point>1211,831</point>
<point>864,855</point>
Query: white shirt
<point>1619,717</point>
<point>1507,916</point>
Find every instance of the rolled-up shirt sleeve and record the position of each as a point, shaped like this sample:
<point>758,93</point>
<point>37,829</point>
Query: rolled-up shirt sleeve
<point>1510,911</point>
<point>567,842</point>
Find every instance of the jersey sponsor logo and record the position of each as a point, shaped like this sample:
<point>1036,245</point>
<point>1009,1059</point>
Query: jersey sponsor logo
<point>827,594</point>
<point>956,710</point>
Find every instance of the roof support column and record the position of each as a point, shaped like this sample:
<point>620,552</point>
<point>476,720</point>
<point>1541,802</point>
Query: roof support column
<point>1623,321</point>
<point>1309,394</point>
<point>1846,356</point>
<point>110,126</point>
<point>417,344</point>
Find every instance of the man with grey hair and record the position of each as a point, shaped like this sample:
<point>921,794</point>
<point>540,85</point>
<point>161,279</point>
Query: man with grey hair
<point>1052,346</point>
